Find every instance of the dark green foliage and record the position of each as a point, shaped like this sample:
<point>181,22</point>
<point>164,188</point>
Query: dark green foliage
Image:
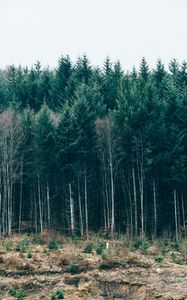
<point>142,243</point>
<point>74,268</point>
<point>159,259</point>
<point>20,294</point>
<point>100,248</point>
<point>59,294</point>
<point>88,248</point>
<point>12,292</point>
<point>53,245</point>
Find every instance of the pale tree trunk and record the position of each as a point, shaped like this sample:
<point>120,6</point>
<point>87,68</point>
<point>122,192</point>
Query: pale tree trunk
<point>176,218</point>
<point>128,188</point>
<point>35,209</point>
<point>139,163</point>
<point>155,208</point>
<point>48,207</point>
<point>112,199</point>
<point>80,210</point>
<point>141,183</point>
<point>71,202</point>
<point>107,146</point>
<point>135,202</point>
<point>112,186</point>
<point>40,205</point>
<point>183,214</point>
<point>21,197</point>
<point>86,202</point>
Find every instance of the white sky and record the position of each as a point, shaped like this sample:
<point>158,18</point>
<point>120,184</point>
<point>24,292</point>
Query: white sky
<point>43,30</point>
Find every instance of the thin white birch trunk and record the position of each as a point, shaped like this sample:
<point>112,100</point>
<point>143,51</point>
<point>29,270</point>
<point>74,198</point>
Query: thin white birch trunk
<point>86,202</point>
<point>135,202</point>
<point>176,219</point>
<point>40,205</point>
<point>71,202</point>
<point>155,208</point>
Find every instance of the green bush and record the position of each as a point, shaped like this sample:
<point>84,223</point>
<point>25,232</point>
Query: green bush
<point>159,259</point>
<point>12,292</point>
<point>37,240</point>
<point>53,296</point>
<point>21,247</point>
<point>60,294</point>
<point>8,247</point>
<point>88,248</point>
<point>74,268</point>
<point>101,248</point>
<point>29,254</point>
<point>142,243</point>
<point>104,256</point>
<point>176,245</point>
<point>20,295</point>
<point>53,245</point>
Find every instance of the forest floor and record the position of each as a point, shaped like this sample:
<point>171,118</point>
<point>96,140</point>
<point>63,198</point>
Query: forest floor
<point>54,267</point>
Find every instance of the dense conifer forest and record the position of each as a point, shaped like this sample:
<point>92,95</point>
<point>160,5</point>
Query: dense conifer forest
<point>87,149</point>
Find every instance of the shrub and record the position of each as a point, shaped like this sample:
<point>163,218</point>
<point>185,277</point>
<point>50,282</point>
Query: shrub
<point>29,254</point>
<point>20,295</point>
<point>159,259</point>
<point>53,245</point>
<point>88,248</point>
<point>142,243</point>
<point>12,292</point>
<point>74,269</point>
<point>38,240</point>
<point>21,247</point>
<point>176,245</point>
<point>60,294</point>
<point>53,296</point>
<point>8,247</point>
<point>101,248</point>
<point>104,256</point>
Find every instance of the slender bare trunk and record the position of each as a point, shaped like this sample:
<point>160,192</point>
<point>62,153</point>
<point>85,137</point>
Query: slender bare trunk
<point>21,197</point>
<point>183,214</point>
<point>48,207</point>
<point>40,204</point>
<point>80,210</point>
<point>86,202</point>
<point>71,202</point>
<point>135,202</point>
<point>155,208</point>
<point>112,187</point>
<point>176,219</point>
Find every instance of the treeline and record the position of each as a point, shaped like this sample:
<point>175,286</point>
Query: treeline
<point>87,149</point>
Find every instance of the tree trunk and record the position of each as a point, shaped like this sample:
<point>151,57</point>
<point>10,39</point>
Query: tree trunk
<point>135,202</point>
<point>21,197</point>
<point>176,219</point>
<point>80,210</point>
<point>71,202</point>
<point>48,207</point>
<point>86,202</point>
<point>40,205</point>
<point>183,214</point>
<point>155,208</point>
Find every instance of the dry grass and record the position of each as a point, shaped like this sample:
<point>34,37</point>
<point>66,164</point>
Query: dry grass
<point>70,257</point>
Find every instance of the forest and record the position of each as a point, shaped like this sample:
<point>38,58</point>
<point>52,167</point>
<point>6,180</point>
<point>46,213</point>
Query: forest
<point>94,149</point>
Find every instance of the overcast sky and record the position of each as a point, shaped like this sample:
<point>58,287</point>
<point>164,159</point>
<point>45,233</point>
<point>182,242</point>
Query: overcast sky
<point>43,30</point>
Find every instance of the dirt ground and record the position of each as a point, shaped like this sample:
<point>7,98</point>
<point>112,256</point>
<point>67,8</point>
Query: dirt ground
<point>40,266</point>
